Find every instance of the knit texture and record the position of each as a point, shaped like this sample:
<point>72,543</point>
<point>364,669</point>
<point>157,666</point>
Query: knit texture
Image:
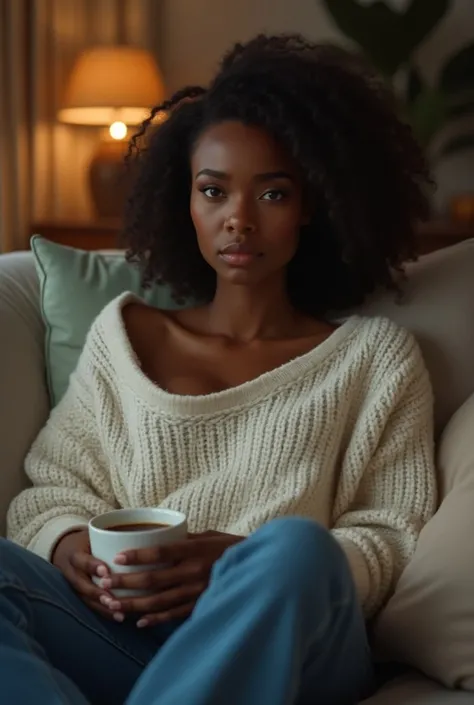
<point>342,435</point>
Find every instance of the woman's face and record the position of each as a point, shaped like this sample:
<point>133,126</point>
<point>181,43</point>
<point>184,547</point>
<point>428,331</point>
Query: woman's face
<point>246,202</point>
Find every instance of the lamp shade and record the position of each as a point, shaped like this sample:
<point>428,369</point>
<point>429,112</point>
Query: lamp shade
<point>112,83</point>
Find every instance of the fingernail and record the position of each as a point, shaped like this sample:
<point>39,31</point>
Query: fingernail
<point>121,559</point>
<point>142,623</point>
<point>104,600</point>
<point>118,616</point>
<point>106,583</point>
<point>114,605</point>
<point>101,571</point>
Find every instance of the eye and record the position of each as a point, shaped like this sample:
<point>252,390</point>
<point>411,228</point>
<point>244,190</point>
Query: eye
<point>212,191</point>
<point>273,195</point>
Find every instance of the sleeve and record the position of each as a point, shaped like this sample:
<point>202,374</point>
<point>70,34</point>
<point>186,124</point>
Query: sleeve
<point>387,487</point>
<point>67,468</point>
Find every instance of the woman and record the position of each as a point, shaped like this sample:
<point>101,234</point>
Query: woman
<point>301,451</point>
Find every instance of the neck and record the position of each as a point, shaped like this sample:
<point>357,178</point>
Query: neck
<point>249,313</point>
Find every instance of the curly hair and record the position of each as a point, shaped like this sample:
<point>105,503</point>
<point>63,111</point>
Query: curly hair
<point>365,177</point>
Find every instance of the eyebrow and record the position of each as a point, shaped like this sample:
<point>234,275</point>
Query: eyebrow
<point>267,176</point>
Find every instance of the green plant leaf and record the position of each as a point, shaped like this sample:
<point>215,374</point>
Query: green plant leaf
<point>458,72</point>
<point>458,144</point>
<point>387,37</point>
<point>427,114</point>
<point>369,27</point>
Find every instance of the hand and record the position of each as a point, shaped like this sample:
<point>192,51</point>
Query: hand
<point>176,588</point>
<point>72,556</point>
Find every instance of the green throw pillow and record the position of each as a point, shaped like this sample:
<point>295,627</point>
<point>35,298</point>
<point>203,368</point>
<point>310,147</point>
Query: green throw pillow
<point>75,286</point>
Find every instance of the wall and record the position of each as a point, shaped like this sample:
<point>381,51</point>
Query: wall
<point>195,33</point>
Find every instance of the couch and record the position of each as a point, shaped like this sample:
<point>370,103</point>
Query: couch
<point>438,307</point>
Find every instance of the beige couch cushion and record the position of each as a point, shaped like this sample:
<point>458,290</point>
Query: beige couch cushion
<point>414,689</point>
<point>429,622</point>
<point>23,398</point>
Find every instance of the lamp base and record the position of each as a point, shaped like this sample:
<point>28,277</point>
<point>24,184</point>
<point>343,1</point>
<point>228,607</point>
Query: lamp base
<point>108,179</point>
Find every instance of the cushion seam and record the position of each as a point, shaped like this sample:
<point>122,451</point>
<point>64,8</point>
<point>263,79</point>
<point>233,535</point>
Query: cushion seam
<point>47,342</point>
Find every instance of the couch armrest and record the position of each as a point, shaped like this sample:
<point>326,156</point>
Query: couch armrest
<point>415,689</point>
<point>24,403</point>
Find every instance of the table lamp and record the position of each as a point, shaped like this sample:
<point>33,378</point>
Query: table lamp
<point>114,87</point>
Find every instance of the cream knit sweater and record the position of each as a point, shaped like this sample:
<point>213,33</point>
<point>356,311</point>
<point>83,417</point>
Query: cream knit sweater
<point>342,435</point>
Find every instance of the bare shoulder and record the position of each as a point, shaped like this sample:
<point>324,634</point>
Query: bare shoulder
<point>135,313</point>
<point>144,324</point>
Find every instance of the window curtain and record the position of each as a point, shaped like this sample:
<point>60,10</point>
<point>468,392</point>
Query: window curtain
<point>43,164</point>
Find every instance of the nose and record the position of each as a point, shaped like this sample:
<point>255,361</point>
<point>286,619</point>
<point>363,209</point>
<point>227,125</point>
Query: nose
<point>240,222</point>
<point>235,226</point>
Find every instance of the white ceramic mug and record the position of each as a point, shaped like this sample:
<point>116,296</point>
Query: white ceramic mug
<point>106,544</point>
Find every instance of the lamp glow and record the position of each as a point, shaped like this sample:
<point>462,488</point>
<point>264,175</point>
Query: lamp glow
<point>118,130</point>
<point>111,86</point>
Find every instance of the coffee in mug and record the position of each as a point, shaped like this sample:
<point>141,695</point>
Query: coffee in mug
<point>149,526</point>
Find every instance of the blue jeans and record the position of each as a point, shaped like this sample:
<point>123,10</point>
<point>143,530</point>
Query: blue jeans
<point>278,624</point>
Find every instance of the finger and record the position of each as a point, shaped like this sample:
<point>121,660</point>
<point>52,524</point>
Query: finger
<point>88,564</point>
<point>185,572</point>
<point>104,611</point>
<point>82,583</point>
<point>181,612</point>
<point>171,553</point>
<point>162,601</point>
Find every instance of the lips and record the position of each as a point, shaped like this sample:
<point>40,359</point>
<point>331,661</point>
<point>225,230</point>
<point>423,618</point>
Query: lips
<point>237,249</point>
<point>238,255</point>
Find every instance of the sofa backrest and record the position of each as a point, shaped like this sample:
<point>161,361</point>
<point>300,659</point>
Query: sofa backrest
<point>23,396</point>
